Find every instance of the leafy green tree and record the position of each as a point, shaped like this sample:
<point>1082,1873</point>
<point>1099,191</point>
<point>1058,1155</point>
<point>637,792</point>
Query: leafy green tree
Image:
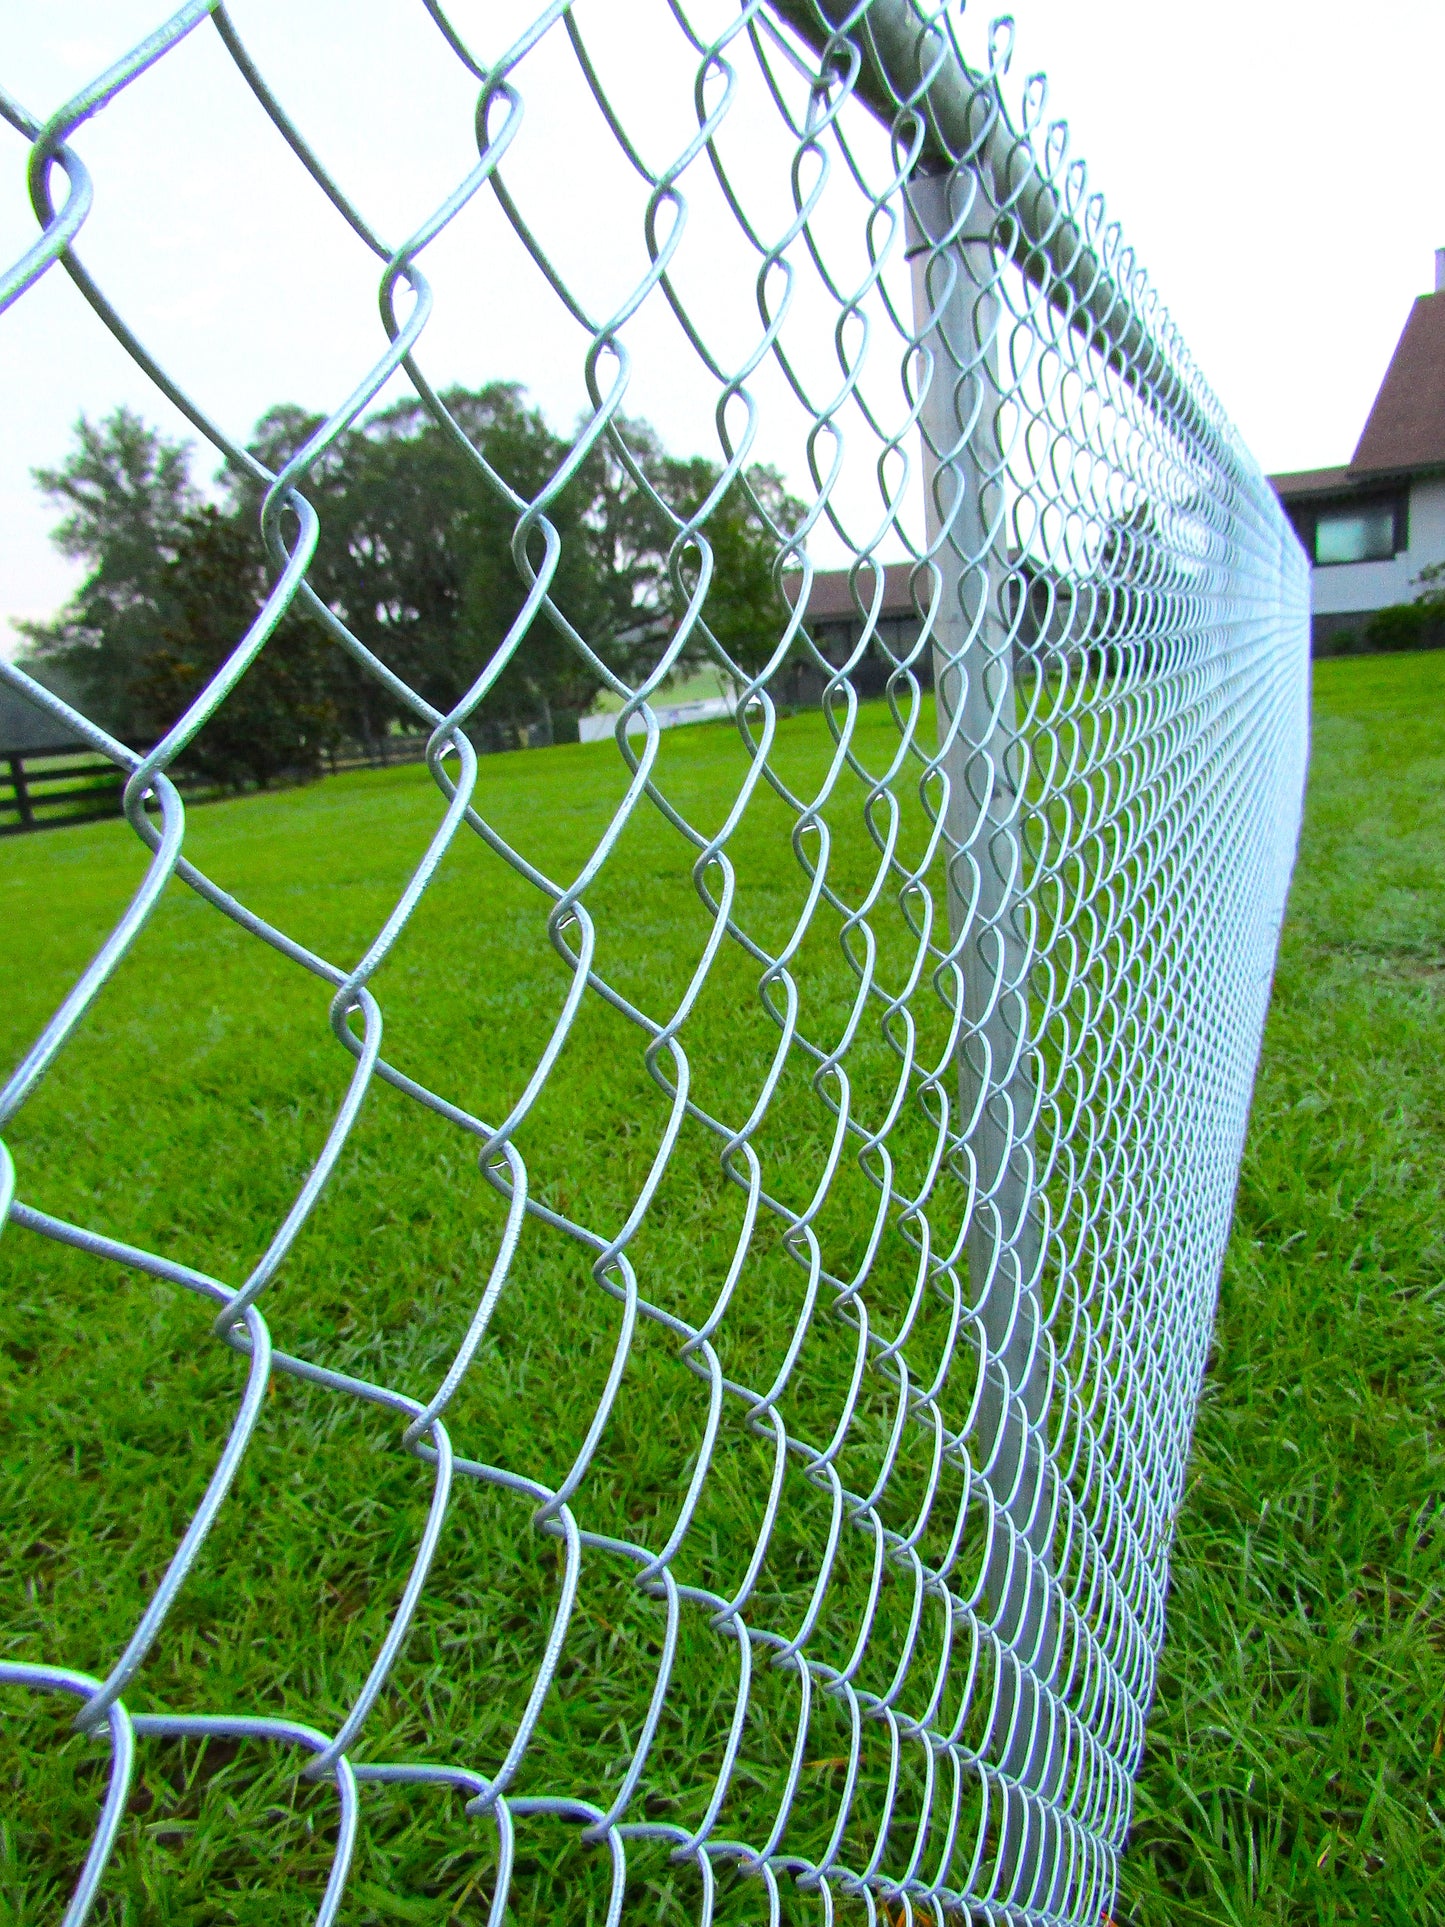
<point>126,493</point>
<point>282,717</point>
<point>416,552</point>
<point>744,609</point>
<point>419,555</point>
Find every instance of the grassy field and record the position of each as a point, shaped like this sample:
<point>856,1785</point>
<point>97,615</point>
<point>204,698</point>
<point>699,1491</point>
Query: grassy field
<point>1296,1766</point>
<point>1295,1751</point>
<point>184,1119</point>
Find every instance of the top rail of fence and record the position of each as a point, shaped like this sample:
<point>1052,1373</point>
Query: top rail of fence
<point>1054,228</point>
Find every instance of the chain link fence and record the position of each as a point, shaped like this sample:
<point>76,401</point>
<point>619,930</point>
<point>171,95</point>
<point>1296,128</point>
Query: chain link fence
<point>965,993</point>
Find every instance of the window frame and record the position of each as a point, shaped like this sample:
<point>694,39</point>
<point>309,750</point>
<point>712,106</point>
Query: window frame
<point>1308,516</point>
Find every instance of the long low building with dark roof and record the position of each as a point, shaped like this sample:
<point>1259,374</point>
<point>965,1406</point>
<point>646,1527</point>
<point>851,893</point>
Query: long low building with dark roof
<point>836,627</point>
<point>1370,526</point>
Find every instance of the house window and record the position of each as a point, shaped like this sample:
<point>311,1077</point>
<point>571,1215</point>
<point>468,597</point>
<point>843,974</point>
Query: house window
<point>1356,534</point>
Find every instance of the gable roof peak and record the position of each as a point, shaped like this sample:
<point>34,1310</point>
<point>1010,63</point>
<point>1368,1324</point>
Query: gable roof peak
<point>1406,426</point>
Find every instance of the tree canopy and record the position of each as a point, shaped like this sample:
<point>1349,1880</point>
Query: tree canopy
<point>126,497</point>
<point>426,553</point>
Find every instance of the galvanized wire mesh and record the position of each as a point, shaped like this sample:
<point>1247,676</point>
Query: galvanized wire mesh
<point>1015,1004</point>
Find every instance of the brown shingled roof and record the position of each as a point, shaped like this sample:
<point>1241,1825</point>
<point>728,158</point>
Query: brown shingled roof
<point>1406,427</point>
<point>1306,483</point>
<point>830,598</point>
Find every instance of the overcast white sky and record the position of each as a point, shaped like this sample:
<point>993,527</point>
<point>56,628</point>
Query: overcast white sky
<point>1275,163</point>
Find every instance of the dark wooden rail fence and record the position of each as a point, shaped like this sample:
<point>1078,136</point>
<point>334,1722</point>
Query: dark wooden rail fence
<point>45,788</point>
<point>41,787</point>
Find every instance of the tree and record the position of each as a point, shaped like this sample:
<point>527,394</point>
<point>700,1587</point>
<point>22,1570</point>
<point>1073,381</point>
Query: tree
<point>281,717</point>
<point>745,610</point>
<point>419,555</point>
<point>127,495</point>
<point>417,551</point>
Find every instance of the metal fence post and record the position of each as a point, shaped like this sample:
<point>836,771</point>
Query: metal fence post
<point>956,317</point>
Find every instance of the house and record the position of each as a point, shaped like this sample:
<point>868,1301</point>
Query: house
<point>833,620</point>
<point>1371,526</point>
<point>835,626</point>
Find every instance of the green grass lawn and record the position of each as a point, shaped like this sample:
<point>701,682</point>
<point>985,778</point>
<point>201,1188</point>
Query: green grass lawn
<point>1295,1746</point>
<point>1296,1764</point>
<point>183,1120</point>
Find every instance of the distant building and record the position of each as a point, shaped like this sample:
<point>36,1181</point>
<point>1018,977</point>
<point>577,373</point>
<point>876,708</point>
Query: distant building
<point>836,627</point>
<point>1370,527</point>
<point>833,621</point>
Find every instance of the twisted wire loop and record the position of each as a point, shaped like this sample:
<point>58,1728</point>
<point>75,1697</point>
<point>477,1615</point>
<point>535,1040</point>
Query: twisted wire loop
<point>890,1633</point>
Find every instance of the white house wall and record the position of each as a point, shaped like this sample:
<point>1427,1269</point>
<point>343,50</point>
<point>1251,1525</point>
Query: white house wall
<point>1356,588</point>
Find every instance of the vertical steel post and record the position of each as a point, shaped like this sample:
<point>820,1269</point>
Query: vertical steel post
<point>956,318</point>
